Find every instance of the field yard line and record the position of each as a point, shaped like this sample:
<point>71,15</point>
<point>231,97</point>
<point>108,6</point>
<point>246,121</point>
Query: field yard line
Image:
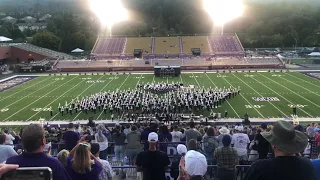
<point>211,80</point>
<point>302,80</point>
<point>122,85</point>
<point>291,91</point>
<point>244,98</point>
<point>153,78</point>
<point>30,94</point>
<point>196,80</point>
<point>280,95</point>
<point>226,99</point>
<point>167,80</point>
<point>260,95</point>
<point>23,89</point>
<point>59,97</point>
<point>82,93</point>
<point>39,98</point>
<point>181,78</point>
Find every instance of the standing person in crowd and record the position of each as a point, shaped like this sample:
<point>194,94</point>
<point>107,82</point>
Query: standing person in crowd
<point>6,151</point>
<point>285,142</point>
<point>62,156</point>
<point>317,139</point>
<point>262,144</point>
<point>177,163</point>
<point>240,141</point>
<point>176,134</point>
<point>226,158</point>
<point>106,173</point>
<point>70,137</point>
<point>82,165</point>
<point>119,139</point>
<point>164,136</point>
<point>192,133</point>
<point>310,130</point>
<point>127,129</point>
<point>134,144</point>
<point>9,137</point>
<point>102,139</point>
<point>153,163</point>
<point>195,165</point>
<point>17,138</point>
<point>33,142</point>
<point>223,131</point>
<point>210,143</point>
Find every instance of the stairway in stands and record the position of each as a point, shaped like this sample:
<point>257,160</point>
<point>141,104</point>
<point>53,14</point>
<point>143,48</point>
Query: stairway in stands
<point>43,51</point>
<point>153,44</point>
<point>181,44</point>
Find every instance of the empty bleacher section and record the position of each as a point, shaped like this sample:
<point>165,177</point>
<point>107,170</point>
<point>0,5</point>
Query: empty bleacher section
<point>43,51</point>
<point>225,45</point>
<point>189,42</point>
<point>168,46</point>
<point>144,43</point>
<point>109,46</point>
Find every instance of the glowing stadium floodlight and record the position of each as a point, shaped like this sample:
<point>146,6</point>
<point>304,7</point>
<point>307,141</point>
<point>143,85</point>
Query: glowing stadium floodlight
<point>109,11</point>
<point>222,11</point>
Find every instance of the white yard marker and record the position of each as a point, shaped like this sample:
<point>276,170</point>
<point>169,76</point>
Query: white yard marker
<point>30,94</point>
<point>196,80</point>
<point>281,96</point>
<point>291,91</point>
<point>261,95</point>
<point>226,99</point>
<point>39,98</point>
<point>24,88</point>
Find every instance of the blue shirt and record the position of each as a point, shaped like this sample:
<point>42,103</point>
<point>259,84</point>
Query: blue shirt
<point>40,160</point>
<point>316,164</point>
<point>96,169</point>
<point>6,151</point>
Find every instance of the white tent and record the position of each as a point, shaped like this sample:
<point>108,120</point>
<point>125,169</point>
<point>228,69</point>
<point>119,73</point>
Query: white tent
<point>78,50</point>
<point>314,54</point>
<point>4,39</point>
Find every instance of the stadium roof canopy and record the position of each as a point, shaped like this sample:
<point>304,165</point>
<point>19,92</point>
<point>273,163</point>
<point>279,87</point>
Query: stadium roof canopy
<point>78,50</point>
<point>314,54</point>
<point>4,39</point>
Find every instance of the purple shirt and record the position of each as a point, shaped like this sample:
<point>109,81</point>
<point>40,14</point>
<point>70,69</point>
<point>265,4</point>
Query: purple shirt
<point>40,160</point>
<point>96,169</point>
<point>71,139</point>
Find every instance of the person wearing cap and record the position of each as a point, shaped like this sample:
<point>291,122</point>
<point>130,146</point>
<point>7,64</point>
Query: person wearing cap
<point>240,141</point>
<point>285,143</point>
<point>106,173</point>
<point>226,158</point>
<point>177,162</point>
<point>195,165</point>
<point>223,131</point>
<point>262,144</point>
<point>153,163</point>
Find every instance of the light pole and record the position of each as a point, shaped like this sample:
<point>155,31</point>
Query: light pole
<point>295,47</point>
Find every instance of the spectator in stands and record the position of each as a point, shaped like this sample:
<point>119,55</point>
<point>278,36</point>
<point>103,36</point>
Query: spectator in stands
<point>134,144</point>
<point>6,151</point>
<point>102,139</point>
<point>70,137</point>
<point>176,134</point>
<point>9,137</point>
<point>17,138</point>
<point>210,143</point>
<point>152,162</point>
<point>226,158</point>
<point>310,130</point>
<point>4,168</point>
<point>177,162</point>
<point>192,133</point>
<point>33,142</point>
<point>127,129</point>
<point>262,144</point>
<point>285,142</point>
<point>317,139</point>
<point>82,165</point>
<point>240,141</point>
<point>62,156</point>
<point>223,131</point>
<point>119,139</point>
<point>164,134</point>
<point>195,165</point>
<point>106,173</point>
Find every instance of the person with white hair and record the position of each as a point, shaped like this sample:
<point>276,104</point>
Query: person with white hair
<point>102,139</point>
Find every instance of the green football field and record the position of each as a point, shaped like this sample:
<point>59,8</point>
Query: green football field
<point>32,100</point>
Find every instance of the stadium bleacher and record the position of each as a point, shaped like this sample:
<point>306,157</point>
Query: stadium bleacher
<point>144,43</point>
<point>167,45</point>
<point>110,45</point>
<point>225,44</point>
<point>190,42</point>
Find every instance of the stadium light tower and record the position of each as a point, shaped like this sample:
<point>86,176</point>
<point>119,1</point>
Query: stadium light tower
<point>109,12</point>
<point>224,11</point>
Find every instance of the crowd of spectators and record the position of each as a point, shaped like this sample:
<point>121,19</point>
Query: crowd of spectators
<point>86,151</point>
